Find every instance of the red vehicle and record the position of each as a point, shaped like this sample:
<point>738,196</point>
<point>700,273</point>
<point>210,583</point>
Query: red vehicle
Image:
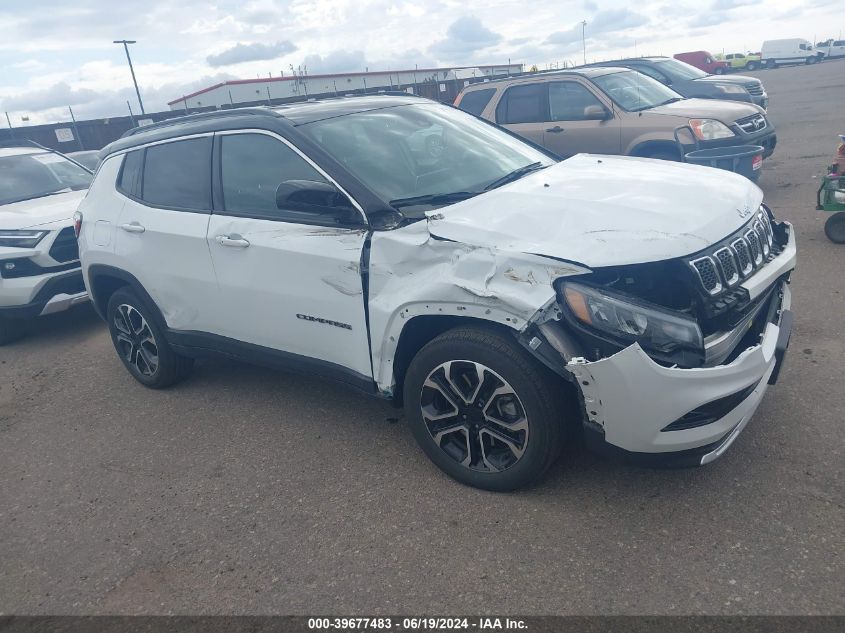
<point>704,61</point>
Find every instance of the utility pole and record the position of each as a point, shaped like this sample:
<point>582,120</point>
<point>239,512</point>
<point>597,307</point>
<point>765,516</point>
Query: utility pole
<point>584,40</point>
<point>131,116</point>
<point>11,129</point>
<point>131,69</point>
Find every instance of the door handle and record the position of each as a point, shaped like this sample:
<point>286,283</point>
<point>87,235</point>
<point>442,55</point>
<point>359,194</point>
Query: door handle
<point>133,227</point>
<point>555,129</point>
<point>234,241</point>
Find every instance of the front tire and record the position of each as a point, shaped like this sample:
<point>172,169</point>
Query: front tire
<point>11,330</point>
<point>771,64</point>
<point>810,60</point>
<point>140,342</point>
<point>719,71</point>
<point>483,410</point>
<point>834,228</point>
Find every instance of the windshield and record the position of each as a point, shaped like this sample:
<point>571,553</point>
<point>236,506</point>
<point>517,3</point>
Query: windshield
<point>410,152</point>
<point>27,176</point>
<point>679,70</point>
<point>634,91</point>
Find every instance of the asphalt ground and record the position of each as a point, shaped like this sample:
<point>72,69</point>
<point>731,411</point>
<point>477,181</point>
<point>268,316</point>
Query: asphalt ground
<point>246,490</point>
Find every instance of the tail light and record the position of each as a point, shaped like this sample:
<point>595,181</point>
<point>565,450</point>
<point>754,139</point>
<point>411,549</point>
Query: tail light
<point>77,223</point>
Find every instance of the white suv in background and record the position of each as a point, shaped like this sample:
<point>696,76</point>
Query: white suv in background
<point>39,259</point>
<point>507,298</point>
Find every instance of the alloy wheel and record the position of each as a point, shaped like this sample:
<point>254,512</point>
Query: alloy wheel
<point>135,340</point>
<point>474,416</point>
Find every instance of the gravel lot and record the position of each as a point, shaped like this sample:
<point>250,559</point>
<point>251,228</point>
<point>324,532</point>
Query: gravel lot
<point>246,490</point>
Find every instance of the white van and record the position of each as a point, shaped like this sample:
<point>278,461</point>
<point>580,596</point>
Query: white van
<point>791,51</point>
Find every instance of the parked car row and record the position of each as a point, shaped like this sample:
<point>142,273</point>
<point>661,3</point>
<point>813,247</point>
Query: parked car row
<point>774,53</point>
<point>617,110</point>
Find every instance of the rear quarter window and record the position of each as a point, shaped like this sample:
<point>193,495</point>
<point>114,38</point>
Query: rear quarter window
<point>129,177</point>
<point>475,101</point>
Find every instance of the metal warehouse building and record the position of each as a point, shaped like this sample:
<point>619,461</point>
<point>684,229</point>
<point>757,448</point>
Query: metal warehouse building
<point>437,83</point>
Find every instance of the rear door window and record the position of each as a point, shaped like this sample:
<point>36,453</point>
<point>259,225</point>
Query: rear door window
<point>568,100</point>
<point>474,102</point>
<point>177,175</point>
<point>523,104</point>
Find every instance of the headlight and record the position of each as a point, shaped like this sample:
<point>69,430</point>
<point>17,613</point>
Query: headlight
<point>623,318</point>
<point>21,239</point>
<point>710,129</point>
<point>732,89</point>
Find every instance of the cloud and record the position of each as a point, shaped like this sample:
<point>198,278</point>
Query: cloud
<point>565,38</point>
<point>614,20</point>
<point>727,5</point>
<point>464,37</point>
<point>589,5</point>
<point>57,95</point>
<point>256,51</point>
<point>339,61</point>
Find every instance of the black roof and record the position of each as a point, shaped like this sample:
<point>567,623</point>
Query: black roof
<point>291,114</point>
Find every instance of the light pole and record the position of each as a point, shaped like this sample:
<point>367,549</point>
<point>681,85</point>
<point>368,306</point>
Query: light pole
<point>583,40</point>
<point>131,70</point>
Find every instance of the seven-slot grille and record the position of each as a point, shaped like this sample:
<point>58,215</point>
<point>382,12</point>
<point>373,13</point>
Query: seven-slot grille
<point>753,123</point>
<point>65,247</point>
<point>736,258</point>
<point>754,88</point>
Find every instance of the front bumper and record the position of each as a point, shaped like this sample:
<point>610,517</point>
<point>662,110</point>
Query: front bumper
<point>629,400</point>
<point>29,297</point>
<point>767,139</point>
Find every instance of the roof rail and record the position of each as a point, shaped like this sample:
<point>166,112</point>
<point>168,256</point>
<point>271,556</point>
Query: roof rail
<point>23,142</point>
<point>189,118</point>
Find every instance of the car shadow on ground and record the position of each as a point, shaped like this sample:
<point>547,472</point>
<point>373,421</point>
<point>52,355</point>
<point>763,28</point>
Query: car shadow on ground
<point>79,321</point>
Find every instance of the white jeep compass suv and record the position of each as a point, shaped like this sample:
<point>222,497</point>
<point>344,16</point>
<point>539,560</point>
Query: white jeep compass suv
<point>504,297</point>
<point>39,261</point>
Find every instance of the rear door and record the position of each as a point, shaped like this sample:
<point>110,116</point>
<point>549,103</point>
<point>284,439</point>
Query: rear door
<point>523,109</point>
<point>571,126</point>
<point>162,228</point>
<point>290,280</point>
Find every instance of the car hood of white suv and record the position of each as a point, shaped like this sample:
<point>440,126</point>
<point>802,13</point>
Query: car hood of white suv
<point>41,211</point>
<point>604,211</point>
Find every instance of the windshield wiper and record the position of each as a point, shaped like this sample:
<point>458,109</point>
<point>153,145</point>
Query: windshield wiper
<point>672,100</point>
<point>433,199</point>
<point>516,174</point>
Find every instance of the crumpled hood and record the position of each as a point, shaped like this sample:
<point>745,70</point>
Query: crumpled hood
<point>725,111</point>
<point>604,211</point>
<point>40,211</point>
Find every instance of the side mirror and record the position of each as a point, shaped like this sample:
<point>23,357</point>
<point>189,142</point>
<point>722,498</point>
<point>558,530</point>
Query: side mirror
<point>311,196</point>
<point>596,113</point>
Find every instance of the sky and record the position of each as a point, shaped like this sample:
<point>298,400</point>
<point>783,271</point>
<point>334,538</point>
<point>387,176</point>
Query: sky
<point>59,53</point>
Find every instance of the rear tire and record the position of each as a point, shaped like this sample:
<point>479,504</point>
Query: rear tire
<point>483,410</point>
<point>11,330</point>
<point>751,66</point>
<point>834,228</point>
<point>140,342</point>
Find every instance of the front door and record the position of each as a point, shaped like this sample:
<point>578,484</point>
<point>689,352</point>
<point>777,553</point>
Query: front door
<point>290,280</point>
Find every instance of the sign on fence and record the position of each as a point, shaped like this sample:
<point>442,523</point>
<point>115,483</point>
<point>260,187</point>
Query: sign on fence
<point>64,134</point>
